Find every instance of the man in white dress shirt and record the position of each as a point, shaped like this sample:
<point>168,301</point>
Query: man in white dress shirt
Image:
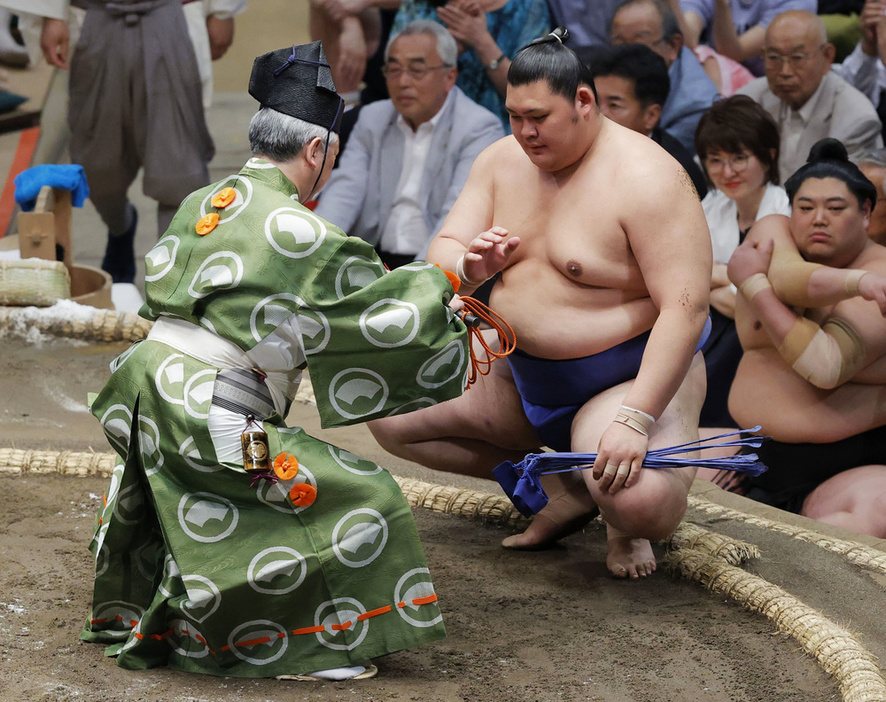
<point>408,157</point>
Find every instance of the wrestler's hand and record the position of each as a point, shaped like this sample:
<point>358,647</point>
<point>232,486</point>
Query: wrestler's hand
<point>872,286</point>
<point>619,457</point>
<point>487,254</point>
<point>749,258</point>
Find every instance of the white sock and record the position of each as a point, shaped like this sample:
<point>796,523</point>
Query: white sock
<point>339,673</point>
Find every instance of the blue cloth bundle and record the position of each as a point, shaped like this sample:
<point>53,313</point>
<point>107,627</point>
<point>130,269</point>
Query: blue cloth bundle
<point>522,481</point>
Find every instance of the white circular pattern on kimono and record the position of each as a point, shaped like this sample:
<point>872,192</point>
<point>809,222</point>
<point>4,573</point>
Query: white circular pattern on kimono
<point>117,423</point>
<point>244,189</point>
<point>198,393</point>
<point>315,330</point>
<point>353,463</point>
<point>222,270</point>
<point>276,495</point>
<point>418,266</point>
<point>259,642</point>
<point>390,323</point>
<point>359,537</point>
<point>337,613</point>
<point>444,366</point>
<point>119,614</point>
<point>206,324</point>
<point>186,640</point>
<point>170,570</point>
<point>144,557</point>
<point>204,597</point>
<point>170,378</point>
<point>190,454</point>
<point>415,585</point>
<point>129,507</point>
<point>412,405</point>
<point>277,570</point>
<point>361,390</point>
<point>294,233</point>
<point>121,359</point>
<point>161,259</point>
<point>267,316</point>
<point>260,164</point>
<point>356,273</point>
<point>102,555</point>
<point>207,518</point>
<point>149,445</point>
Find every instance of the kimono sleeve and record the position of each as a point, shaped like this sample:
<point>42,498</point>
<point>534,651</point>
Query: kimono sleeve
<point>390,343</point>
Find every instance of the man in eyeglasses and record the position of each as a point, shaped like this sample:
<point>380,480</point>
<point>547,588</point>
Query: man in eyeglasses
<point>807,100</point>
<point>651,22</point>
<point>408,157</point>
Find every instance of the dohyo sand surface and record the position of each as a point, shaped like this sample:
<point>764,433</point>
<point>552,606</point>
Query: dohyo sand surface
<point>548,625</point>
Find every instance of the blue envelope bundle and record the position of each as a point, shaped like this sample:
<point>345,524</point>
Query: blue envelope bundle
<point>522,481</point>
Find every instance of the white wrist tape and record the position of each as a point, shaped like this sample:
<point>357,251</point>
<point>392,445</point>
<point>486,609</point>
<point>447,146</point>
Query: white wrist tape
<point>460,272</point>
<point>636,419</point>
<point>754,284</point>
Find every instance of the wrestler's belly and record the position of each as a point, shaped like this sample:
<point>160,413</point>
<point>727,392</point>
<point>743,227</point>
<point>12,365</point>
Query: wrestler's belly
<point>571,322</point>
<point>767,392</point>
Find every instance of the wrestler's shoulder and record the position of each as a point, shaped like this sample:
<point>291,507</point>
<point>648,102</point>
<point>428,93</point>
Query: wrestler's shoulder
<point>637,157</point>
<point>506,151</point>
<point>874,259</point>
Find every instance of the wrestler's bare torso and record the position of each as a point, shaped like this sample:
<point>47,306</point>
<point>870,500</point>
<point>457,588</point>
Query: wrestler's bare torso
<point>578,228</point>
<point>767,391</point>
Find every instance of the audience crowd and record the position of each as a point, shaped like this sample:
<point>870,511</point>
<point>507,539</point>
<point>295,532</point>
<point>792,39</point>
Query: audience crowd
<point>737,91</point>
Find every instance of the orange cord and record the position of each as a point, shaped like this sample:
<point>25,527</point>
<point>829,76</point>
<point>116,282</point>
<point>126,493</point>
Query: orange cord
<point>506,337</point>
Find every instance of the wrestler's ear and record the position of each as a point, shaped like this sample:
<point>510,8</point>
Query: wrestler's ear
<point>585,100</point>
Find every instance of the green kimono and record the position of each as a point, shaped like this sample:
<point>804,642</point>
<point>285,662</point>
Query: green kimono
<point>199,565</point>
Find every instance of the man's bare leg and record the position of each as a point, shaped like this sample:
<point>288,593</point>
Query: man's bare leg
<point>650,509</point>
<point>854,499</point>
<point>570,507</point>
<point>469,435</point>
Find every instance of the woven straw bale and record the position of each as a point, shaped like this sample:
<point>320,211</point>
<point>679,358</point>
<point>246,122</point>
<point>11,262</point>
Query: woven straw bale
<point>837,651</point>
<point>731,550</point>
<point>852,551</point>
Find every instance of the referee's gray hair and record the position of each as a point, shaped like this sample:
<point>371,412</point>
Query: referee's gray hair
<point>281,137</point>
<point>445,42</point>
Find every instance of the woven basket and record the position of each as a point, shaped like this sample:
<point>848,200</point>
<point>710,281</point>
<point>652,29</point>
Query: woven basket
<point>33,281</point>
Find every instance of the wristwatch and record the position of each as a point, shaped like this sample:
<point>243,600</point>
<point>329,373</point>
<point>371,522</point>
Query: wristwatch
<point>495,63</point>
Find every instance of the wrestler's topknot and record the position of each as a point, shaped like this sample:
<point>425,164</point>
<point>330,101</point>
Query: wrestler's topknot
<point>828,158</point>
<point>549,59</point>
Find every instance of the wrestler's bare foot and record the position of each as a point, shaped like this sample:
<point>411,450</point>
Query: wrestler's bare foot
<point>628,558</point>
<point>564,514</point>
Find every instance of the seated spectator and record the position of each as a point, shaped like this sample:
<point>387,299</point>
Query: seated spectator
<point>408,157</point>
<point>807,100</point>
<point>632,85</point>
<point>587,22</point>
<point>863,68</point>
<point>873,165</point>
<point>351,34</point>
<point>814,379</point>
<point>653,23</point>
<point>736,28</point>
<point>489,34</point>
<point>737,142</point>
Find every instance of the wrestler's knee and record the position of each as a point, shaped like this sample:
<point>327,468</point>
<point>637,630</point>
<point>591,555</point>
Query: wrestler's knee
<point>391,433</point>
<point>644,514</point>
